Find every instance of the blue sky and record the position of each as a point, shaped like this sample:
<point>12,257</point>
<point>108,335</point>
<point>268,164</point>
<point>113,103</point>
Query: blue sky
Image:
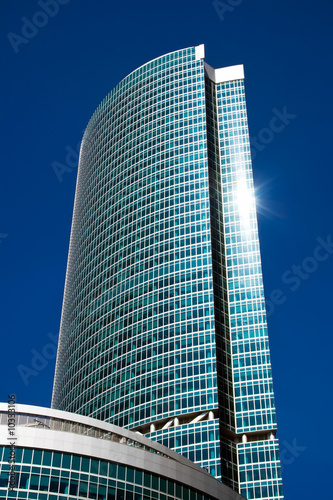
<point>54,76</point>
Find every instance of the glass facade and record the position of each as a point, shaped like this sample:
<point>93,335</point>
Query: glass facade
<point>51,475</point>
<point>163,327</point>
<point>184,439</point>
<point>247,409</point>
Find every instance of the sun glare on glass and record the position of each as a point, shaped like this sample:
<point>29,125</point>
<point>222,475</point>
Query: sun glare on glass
<point>245,201</point>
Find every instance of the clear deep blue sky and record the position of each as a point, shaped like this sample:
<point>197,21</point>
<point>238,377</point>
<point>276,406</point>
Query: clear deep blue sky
<point>52,80</point>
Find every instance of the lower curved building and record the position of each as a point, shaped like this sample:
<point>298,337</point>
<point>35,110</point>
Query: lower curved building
<point>163,327</point>
<point>58,455</point>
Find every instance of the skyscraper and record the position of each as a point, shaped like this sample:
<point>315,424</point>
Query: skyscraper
<point>163,327</point>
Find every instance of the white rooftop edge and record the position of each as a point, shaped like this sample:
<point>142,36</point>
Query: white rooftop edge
<point>227,74</point>
<point>200,52</point>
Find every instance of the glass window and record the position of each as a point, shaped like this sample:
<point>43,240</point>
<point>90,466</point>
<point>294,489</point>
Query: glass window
<point>163,485</point>
<point>63,486</point>
<point>85,464</point>
<point>121,472</point>
<point>56,462</point>
<point>111,494</point>
<point>138,477</point>
<point>44,483</point>
<point>66,461</point>
<point>76,462</point>
<point>83,489</point>
<point>47,456</point>
<point>103,468</point>
<point>130,475</point>
<point>73,487</point>
<point>4,482</point>
<point>171,488</point>
<point>155,482</point>
<point>18,454</point>
<point>27,456</point>
<point>24,481</point>
<point>34,481</point>
<point>92,490</point>
<point>94,466</point>
<point>147,480</point>
<point>54,483</point>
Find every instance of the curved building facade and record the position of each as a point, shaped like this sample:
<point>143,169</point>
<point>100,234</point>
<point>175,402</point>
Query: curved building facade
<point>59,455</point>
<point>163,327</point>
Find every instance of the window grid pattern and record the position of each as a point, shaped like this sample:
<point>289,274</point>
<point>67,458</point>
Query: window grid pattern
<point>260,470</point>
<point>252,378</point>
<point>248,398</point>
<point>229,463</point>
<point>137,338</point>
<point>50,475</point>
<point>184,439</point>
